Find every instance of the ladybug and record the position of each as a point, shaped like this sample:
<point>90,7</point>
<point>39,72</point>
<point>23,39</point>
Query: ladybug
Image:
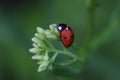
<point>66,34</point>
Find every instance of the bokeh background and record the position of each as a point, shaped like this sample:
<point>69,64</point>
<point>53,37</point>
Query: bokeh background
<point>18,22</point>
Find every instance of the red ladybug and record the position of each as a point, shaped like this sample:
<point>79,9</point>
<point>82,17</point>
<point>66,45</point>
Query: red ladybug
<point>66,34</point>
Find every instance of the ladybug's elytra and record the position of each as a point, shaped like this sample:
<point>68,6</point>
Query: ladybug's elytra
<point>66,34</point>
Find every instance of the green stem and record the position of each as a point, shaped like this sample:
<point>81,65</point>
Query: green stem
<point>54,57</point>
<point>91,6</point>
<point>66,63</point>
<point>66,53</point>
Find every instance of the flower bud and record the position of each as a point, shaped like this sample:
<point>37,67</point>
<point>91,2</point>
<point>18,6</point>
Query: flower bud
<point>35,40</point>
<point>40,36</point>
<point>40,30</point>
<point>37,57</point>
<point>34,50</point>
<point>50,35</point>
<point>34,45</point>
<point>38,42</point>
<point>46,57</point>
<point>52,27</point>
<point>43,66</point>
<point>56,32</point>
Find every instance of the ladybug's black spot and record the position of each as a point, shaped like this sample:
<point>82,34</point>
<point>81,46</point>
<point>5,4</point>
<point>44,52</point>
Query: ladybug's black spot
<point>65,37</point>
<point>72,36</point>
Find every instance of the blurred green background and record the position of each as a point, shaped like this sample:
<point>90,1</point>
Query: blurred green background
<point>18,22</point>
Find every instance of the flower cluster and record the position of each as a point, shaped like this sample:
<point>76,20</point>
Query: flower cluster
<point>42,45</point>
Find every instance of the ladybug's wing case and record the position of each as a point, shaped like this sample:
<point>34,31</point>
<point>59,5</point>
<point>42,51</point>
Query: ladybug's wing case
<point>67,37</point>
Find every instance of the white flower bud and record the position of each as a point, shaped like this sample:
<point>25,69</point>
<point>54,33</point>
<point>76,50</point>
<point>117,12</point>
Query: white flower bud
<point>40,36</point>
<point>34,50</point>
<point>51,37</point>
<point>52,27</point>
<point>43,66</point>
<point>46,57</point>
<point>40,30</point>
<point>37,57</point>
<point>38,42</point>
<point>34,45</point>
<point>35,40</point>
<point>40,62</point>
<point>56,32</point>
<point>47,32</point>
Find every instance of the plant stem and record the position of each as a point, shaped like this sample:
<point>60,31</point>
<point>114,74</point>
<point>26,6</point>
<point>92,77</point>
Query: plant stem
<point>91,6</point>
<point>65,53</point>
<point>66,63</point>
<point>54,57</point>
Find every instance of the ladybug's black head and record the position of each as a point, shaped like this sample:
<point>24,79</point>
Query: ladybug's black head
<point>61,27</point>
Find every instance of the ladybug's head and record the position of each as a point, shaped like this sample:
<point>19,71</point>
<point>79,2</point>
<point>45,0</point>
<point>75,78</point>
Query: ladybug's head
<point>62,27</point>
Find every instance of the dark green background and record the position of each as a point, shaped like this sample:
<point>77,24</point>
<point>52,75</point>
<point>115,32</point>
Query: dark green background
<point>18,22</point>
